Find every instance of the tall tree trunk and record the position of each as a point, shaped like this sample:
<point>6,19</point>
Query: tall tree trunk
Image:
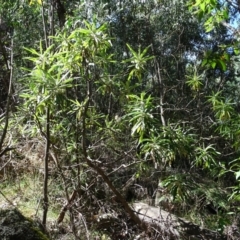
<point>45,186</point>
<point>61,12</point>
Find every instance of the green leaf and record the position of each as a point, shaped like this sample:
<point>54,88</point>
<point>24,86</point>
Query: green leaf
<point>237,174</point>
<point>236,51</point>
<point>213,64</point>
<point>222,65</point>
<point>202,6</point>
<point>213,3</point>
<point>226,56</point>
<point>204,62</point>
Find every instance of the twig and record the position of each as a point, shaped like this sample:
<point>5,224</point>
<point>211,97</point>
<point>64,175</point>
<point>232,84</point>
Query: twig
<point>66,207</point>
<point>9,160</point>
<point>6,150</point>
<point>9,201</point>
<point>85,225</point>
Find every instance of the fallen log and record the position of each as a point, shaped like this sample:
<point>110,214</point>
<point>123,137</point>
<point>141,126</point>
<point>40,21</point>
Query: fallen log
<point>169,226</point>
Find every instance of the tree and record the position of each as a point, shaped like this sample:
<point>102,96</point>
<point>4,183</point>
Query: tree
<point>140,92</point>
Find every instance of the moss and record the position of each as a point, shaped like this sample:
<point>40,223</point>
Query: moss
<point>41,235</point>
<point>13,225</point>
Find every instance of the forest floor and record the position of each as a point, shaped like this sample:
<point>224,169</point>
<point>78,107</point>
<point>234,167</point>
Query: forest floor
<point>25,194</point>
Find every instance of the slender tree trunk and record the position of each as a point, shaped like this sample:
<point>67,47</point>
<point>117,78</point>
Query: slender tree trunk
<point>44,26</point>
<point>8,101</point>
<point>161,87</point>
<point>61,12</point>
<point>45,186</point>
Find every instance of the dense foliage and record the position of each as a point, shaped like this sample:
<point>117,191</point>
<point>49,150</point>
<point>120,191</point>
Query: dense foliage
<point>121,100</point>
